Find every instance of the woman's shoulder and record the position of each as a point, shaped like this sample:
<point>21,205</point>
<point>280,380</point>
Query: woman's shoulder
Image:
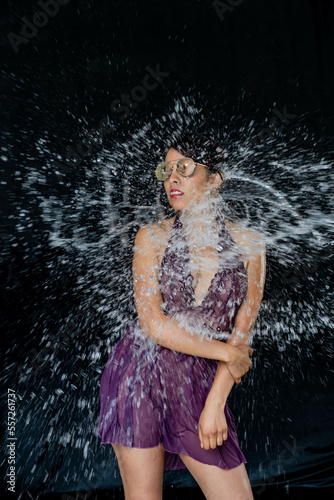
<point>155,232</point>
<point>245,236</point>
<point>163,225</point>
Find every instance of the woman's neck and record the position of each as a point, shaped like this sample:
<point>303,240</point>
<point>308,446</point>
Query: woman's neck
<point>199,222</point>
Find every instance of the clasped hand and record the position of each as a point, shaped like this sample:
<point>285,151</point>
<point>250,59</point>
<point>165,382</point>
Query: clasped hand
<point>240,362</point>
<point>212,425</point>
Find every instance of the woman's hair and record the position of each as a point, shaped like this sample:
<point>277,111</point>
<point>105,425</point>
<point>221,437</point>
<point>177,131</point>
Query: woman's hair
<point>201,149</point>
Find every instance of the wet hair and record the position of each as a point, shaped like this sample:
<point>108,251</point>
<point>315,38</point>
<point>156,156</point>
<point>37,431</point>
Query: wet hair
<point>201,149</point>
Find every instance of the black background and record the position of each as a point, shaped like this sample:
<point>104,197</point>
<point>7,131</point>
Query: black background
<point>254,57</point>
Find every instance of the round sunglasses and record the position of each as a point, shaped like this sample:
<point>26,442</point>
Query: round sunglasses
<point>184,166</point>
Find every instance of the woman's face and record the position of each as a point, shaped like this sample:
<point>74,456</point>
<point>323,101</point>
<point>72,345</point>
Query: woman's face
<point>192,188</point>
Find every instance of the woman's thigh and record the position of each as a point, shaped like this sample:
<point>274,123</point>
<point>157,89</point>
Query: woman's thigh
<point>220,484</point>
<point>142,471</point>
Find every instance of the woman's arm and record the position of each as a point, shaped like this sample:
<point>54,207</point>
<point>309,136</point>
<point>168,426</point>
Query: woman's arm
<point>247,313</point>
<point>166,331</point>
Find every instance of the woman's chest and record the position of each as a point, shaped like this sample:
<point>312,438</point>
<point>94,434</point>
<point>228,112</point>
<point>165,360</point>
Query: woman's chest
<point>196,275</point>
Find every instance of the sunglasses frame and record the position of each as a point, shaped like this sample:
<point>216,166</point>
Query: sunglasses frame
<point>159,168</point>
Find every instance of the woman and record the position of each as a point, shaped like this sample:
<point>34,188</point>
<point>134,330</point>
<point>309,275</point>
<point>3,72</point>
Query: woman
<point>197,278</point>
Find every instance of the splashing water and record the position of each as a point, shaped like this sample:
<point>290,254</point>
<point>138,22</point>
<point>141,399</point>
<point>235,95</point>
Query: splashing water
<point>282,188</point>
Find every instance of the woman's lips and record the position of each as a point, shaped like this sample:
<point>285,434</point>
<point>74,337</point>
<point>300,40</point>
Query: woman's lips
<point>176,194</point>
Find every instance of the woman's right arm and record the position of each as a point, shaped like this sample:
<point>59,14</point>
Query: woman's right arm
<point>164,330</point>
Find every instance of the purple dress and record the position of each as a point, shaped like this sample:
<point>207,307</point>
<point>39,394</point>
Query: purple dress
<point>150,394</point>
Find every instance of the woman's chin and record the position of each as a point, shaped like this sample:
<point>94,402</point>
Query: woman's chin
<point>177,203</point>
<point>180,203</point>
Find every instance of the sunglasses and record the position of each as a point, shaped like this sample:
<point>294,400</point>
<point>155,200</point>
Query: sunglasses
<point>184,167</point>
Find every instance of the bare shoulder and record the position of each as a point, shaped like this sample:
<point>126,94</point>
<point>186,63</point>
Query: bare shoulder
<point>250,241</point>
<point>244,235</point>
<point>155,234</point>
<point>162,227</point>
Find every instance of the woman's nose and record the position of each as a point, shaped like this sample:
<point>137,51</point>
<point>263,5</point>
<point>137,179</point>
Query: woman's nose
<point>174,176</point>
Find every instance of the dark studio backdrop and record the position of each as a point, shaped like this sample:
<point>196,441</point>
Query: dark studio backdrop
<point>87,84</point>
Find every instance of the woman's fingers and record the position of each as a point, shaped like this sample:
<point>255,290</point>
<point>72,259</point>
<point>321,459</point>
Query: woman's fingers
<point>237,371</point>
<point>206,442</point>
<point>213,440</point>
<point>220,438</point>
<point>241,363</point>
<point>200,436</point>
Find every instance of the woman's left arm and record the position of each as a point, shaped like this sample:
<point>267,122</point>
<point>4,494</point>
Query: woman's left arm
<point>212,424</point>
<point>252,246</point>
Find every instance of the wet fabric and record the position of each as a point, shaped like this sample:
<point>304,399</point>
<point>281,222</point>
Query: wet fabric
<point>150,394</point>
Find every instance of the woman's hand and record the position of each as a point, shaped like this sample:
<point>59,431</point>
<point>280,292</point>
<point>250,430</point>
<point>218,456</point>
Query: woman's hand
<point>212,426</point>
<point>240,362</point>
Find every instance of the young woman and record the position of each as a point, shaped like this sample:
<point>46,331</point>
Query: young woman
<point>198,284</point>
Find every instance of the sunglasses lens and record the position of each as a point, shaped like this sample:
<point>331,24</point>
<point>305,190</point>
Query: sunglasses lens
<point>161,172</point>
<point>186,166</point>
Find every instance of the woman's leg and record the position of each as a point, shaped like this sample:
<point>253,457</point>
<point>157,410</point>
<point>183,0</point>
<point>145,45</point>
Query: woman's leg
<point>142,471</point>
<point>220,484</point>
